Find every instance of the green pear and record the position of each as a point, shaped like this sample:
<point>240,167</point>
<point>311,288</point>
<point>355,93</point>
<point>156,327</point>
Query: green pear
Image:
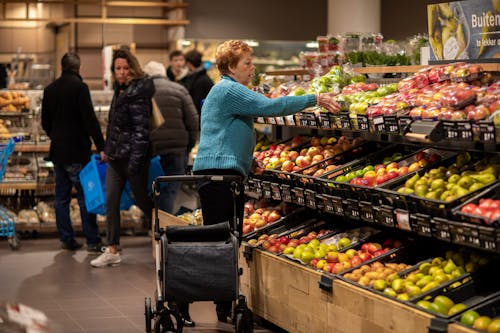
<point>437,184</point>
<point>460,191</point>
<point>453,179</point>
<point>410,183</point>
<point>421,190</point>
<point>423,281</point>
<point>432,195</point>
<point>430,285</point>
<point>485,178</point>
<point>465,181</point>
<point>449,267</point>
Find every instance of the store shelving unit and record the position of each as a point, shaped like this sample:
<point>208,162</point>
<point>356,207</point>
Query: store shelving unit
<point>301,299</point>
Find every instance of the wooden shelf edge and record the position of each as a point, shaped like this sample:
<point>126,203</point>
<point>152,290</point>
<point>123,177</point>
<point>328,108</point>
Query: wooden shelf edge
<point>32,148</point>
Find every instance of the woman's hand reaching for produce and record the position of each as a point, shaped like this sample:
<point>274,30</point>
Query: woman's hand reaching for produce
<point>327,100</point>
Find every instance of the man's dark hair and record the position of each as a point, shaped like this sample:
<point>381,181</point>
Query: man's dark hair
<point>70,62</point>
<point>175,53</point>
<point>194,58</point>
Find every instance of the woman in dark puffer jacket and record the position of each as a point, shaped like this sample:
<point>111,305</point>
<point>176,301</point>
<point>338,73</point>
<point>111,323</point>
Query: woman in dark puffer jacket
<point>128,148</point>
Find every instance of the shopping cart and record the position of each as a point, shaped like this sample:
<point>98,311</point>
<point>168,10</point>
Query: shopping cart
<point>196,263</point>
<point>7,224</point>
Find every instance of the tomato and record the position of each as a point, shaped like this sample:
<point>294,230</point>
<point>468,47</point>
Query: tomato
<point>468,208</point>
<point>478,211</point>
<point>495,204</point>
<point>495,215</point>
<point>486,203</point>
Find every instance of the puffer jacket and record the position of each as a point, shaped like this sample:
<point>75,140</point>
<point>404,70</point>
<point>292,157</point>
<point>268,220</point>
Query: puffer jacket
<point>179,133</point>
<point>127,135</point>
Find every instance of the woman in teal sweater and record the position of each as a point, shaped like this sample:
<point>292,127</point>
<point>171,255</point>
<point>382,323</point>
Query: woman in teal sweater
<point>227,137</point>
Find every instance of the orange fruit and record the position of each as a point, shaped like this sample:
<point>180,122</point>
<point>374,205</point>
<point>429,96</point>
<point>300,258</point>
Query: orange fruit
<point>482,323</point>
<point>494,326</point>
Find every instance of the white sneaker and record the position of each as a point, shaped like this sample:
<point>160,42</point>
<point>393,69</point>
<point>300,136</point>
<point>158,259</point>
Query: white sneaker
<point>105,259</point>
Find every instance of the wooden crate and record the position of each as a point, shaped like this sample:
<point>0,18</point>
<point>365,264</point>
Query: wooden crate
<point>381,314</point>
<point>457,328</point>
<point>288,295</point>
<point>284,293</point>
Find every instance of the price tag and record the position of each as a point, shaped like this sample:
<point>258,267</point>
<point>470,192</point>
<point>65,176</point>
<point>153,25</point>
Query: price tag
<point>302,119</point>
<point>391,124</point>
<point>324,121</point>
<point>464,129</point>
<point>290,120</point>
<point>487,131</point>
<point>345,121</point>
<point>378,123</point>
<point>266,190</point>
<point>275,191</point>
<point>403,123</point>
<point>310,199</point>
<point>311,120</point>
<point>328,205</point>
<point>285,193</point>
<point>403,219</point>
<point>280,121</point>
<point>444,234</point>
<point>362,122</point>
<point>271,120</point>
<point>450,130</point>
<point>298,197</point>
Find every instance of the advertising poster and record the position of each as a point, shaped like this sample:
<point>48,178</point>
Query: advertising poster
<point>462,30</point>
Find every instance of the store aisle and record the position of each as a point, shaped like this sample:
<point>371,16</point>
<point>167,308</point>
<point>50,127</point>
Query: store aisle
<point>78,298</point>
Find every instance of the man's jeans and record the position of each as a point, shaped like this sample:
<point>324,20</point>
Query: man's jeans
<point>172,164</point>
<point>67,176</point>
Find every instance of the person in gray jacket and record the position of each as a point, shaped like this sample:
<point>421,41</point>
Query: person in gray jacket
<point>177,136</point>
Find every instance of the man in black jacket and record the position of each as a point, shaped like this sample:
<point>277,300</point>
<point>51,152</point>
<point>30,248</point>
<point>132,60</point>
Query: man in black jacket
<point>69,120</point>
<point>197,82</point>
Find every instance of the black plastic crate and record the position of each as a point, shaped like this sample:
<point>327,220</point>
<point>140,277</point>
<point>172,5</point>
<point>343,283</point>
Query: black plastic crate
<point>433,207</point>
<point>406,154</point>
<point>490,192</point>
<point>285,219</point>
<point>467,294</point>
<point>490,307</point>
<point>305,177</point>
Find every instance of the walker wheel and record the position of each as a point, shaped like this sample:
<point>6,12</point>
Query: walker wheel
<point>169,321</point>
<point>148,313</point>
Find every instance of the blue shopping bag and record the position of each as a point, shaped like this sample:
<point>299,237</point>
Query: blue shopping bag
<point>93,180</point>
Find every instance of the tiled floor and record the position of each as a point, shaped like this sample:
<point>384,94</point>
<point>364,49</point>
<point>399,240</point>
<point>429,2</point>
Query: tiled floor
<point>79,298</point>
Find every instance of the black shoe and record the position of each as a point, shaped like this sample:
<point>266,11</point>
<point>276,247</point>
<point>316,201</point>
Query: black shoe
<point>71,245</point>
<point>188,322</point>
<point>94,248</point>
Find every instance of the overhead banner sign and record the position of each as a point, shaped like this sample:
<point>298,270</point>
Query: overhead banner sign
<point>464,30</point>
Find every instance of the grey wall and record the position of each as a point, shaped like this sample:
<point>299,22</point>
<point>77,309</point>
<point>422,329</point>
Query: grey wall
<point>404,18</point>
<point>257,19</point>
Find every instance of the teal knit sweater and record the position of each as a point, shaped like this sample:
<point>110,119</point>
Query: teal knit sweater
<point>227,136</point>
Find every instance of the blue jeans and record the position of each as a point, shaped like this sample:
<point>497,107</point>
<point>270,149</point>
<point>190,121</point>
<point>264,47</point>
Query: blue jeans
<point>172,164</point>
<point>67,176</point>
